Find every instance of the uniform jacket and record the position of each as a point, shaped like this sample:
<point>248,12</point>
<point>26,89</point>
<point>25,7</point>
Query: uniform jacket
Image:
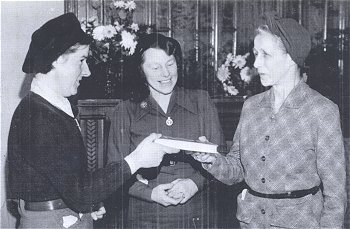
<point>192,114</point>
<point>47,159</point>
<point>298,148</point>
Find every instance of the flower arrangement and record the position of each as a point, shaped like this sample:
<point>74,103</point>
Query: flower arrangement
<point>112,43</point>
<point>119,37</point>
<point>235,75</point>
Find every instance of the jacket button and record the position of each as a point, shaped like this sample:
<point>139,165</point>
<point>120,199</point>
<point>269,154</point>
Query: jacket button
<point>267,138</point>
<point>263,180</point>
<point>263,211</point>
<point>263,158</point>
<point>273,118</point>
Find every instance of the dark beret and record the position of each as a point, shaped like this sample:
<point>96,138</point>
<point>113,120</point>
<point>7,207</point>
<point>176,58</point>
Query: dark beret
<point>51,40</point>
<point>295,38</point>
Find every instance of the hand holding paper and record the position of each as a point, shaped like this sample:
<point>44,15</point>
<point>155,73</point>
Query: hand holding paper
<point>206,159</point>
<point>148,153</point>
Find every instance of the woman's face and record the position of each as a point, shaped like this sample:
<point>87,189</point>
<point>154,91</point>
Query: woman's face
<point>70,69</point>
<point>271,60</point>
<point>160,70</point>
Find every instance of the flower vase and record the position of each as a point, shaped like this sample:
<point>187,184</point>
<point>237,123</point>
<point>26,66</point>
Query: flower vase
<point>109,89</point>
<point>114,78</point>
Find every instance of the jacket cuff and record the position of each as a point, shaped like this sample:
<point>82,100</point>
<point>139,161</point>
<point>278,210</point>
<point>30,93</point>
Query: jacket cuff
<point>130,164</point>
<point>141,191</point>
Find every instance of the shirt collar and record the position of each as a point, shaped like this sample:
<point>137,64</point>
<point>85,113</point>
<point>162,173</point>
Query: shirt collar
<point>62,103</point>
<point>179,97</point>
<point>293,100</point>
<point>184,100</point>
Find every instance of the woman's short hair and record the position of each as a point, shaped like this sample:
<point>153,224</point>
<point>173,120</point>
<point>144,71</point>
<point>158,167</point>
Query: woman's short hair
<point>170,46</point>
<point>48,67</point>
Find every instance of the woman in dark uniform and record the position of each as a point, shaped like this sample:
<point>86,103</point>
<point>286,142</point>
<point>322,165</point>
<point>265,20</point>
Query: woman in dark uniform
<point>46,153</point>
<point>174,195</point>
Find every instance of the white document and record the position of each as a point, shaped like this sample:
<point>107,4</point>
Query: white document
<point>187,144</point>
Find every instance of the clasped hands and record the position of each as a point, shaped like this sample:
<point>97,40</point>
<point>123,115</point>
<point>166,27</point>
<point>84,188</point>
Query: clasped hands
<point>177,192</point>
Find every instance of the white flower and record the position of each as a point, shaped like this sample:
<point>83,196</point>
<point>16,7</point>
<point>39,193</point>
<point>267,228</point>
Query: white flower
<point>223,73</point>
<point>229,57</point>
<point>128,41</point>
<point>109,31</point>
<point>231,90</point>
<point>246,74</point>
<point>118,26</point>
<point>239,61</point>
<point>98,33</point>
<point>132,49</point>
<point>119,4</point>
<point>134,27</point>
<point>130,5</point>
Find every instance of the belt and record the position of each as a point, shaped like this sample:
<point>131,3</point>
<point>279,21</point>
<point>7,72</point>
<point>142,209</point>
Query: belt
<point>45,205</point>
<point>287,195</point>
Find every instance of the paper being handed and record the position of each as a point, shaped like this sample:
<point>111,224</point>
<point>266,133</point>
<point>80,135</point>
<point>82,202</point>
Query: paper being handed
<point>188,144</point>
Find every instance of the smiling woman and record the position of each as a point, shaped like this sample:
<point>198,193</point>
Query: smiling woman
<point>174,195</point>
<point>160,70</point>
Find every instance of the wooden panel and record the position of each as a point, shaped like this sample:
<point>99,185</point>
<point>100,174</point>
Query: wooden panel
<point>95,116</point>
<point>229,110</point>
<point>94,129</point>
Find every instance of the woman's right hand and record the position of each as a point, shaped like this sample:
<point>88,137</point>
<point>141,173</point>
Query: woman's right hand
<point>206,158</point>
<point>160,195</point>
<point>148,153</point>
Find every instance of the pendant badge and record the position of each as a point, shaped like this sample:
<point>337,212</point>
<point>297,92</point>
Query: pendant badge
<point>169,122</point>
<point>143,105</point>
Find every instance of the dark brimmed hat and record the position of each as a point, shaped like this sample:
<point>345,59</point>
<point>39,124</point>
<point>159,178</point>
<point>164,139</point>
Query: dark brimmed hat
<point>295,38</point>
<point>51,40</point>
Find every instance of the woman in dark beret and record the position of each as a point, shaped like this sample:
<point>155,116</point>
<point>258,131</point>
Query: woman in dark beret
<point>46,154</point>
<point>174,195</point>
<point>288,146</point>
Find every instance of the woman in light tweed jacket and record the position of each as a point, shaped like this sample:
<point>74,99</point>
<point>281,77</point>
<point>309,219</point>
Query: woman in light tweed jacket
<point>288,146</point>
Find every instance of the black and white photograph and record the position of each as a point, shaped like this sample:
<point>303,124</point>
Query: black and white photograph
<point>175,114</point>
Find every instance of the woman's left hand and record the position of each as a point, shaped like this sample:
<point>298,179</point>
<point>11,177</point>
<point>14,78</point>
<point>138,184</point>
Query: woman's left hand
<point>183,187</point>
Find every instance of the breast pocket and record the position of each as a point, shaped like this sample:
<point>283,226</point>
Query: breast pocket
<point>302,212</point>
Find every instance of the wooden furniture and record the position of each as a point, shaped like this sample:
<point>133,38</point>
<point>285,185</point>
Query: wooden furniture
<point>94,118</point>
<point>229,109</point>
